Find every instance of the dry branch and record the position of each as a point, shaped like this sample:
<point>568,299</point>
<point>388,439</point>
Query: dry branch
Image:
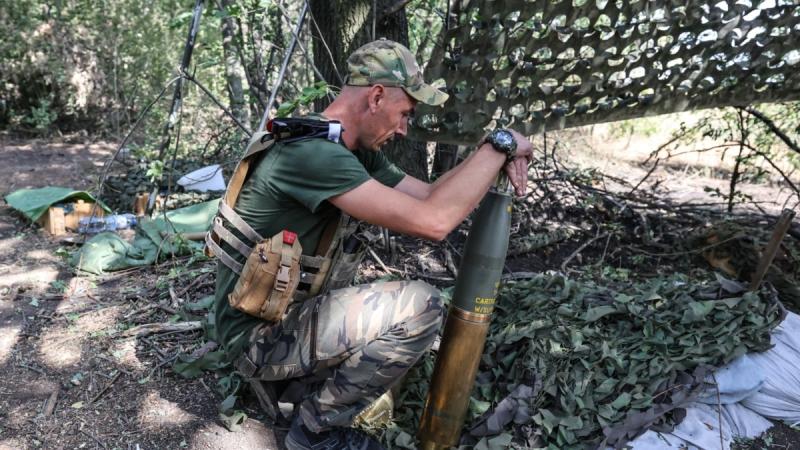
<point>774,128</point>
<point>580,249</point>
<point>155,328</point>
<point>105,388</point>
<point>50,404</point>
<point>391,9</point>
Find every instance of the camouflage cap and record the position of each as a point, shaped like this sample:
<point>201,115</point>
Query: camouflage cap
<point>391,64</point>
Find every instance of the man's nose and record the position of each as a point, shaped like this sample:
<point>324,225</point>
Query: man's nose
<point>402,130</point>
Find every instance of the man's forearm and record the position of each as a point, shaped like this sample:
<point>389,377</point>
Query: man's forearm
<point>456,195</point>
<point>451,172</point>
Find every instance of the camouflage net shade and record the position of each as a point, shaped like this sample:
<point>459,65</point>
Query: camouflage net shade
<point>540,65</point>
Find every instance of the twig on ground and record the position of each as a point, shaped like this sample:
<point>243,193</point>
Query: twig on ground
<point>687,252</point>
<point>161,355</point>
<point>155,328</point>
<point>580,249</point>
<point>719,411</point>
<point>380,262</point>
<point>518,276</point>
<point>205,385</point>
<point>434,277</point>
<point>174,297</point>
<point>448,262</point>
<point>86,433</point>
<point>35,369</point>
<point>163,363</point>
<point>146,308</point>
<point>105,388</point>
<point>194,283</point>
<point>115,364</point>
<point>50,404</point>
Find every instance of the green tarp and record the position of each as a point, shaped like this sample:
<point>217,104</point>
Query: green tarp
<point>34,202</point>
<point>157,238</point>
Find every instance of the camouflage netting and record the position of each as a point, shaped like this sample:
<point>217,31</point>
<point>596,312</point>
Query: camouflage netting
<point>546,64</point>
<point>573,364</point>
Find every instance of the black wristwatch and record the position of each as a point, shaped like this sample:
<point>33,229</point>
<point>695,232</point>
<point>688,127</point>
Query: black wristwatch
<point>503,141</point>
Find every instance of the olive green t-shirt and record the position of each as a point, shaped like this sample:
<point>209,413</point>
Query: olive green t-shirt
<point>288,189</point>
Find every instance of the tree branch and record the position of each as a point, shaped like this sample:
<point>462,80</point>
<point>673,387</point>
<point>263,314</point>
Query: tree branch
<point>191,78</point>
<point>777,169</point>
<point>774,128</point>
<point>391,9</point>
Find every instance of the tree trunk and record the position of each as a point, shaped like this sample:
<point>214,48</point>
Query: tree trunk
<point>234,72</point>
<point>345,25</point>
<point>445,158</point>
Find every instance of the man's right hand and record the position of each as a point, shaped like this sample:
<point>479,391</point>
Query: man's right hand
<point>517,169</point>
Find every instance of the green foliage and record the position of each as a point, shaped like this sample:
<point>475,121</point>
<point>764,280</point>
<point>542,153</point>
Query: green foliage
<point>73,60</point>
<point>645,127</point>
<point>58,285</point>
<point>424,26</point>
<point>190,367</point>
<point>307,96</point>
<point>42,116</point>
<point>750,151</point>
<point>155,170</point>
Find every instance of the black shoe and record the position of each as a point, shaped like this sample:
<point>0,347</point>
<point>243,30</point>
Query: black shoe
<point>301,438</point>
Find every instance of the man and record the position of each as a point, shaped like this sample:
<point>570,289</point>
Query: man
<point>350,345</point>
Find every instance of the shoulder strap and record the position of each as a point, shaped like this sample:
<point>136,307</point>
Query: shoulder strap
<point>260,142</point>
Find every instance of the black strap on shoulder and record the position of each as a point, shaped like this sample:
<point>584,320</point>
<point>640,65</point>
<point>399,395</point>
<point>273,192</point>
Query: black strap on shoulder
<point>295,129</point>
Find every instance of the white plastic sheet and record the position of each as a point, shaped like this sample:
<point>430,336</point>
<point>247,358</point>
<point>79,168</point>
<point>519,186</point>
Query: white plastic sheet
<point>779,398</point>
<point>701,430</point>
<point>736,381</point>
<point>768,385</point>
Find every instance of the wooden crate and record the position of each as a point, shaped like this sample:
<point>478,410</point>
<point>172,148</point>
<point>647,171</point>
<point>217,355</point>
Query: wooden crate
<point>57,221</point>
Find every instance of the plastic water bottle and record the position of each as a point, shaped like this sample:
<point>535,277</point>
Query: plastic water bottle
<point>92,225</point>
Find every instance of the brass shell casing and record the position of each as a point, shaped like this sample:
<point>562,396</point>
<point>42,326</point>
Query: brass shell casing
<point>467,324</point>
<point>454,375</point>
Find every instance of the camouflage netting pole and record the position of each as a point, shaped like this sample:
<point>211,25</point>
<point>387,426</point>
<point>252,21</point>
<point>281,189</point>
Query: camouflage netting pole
<point>542,64</point>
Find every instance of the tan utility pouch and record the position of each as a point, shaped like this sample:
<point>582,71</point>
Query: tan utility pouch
<point>269,277</point>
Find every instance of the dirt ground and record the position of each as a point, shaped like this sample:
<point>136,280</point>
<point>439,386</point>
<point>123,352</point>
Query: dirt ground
<point>65,381</point>
<point>69,379</point>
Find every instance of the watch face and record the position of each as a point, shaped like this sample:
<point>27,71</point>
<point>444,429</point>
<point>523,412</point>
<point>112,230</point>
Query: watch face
<point>504,138</point>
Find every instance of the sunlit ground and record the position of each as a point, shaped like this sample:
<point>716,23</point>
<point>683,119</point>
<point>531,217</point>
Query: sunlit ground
<point>61,345</point>
<point>8,338</point>
<point>156,411</point>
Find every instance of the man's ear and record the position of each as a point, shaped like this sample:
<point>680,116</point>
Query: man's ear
<point>375,95</point>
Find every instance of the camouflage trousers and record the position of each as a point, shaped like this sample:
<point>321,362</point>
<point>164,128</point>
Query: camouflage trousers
<point>347,347</point>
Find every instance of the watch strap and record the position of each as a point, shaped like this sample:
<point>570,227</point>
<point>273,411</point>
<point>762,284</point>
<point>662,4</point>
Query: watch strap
<point>487,139</point>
